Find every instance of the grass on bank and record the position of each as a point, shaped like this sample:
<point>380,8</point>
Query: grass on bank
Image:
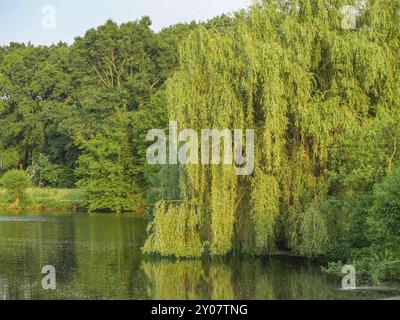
<point>48,199</point>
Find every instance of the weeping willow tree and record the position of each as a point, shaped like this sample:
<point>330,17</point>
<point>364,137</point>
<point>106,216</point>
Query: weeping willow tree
<point>292,71</point>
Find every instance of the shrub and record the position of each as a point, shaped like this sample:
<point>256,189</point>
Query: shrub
<point>16,182</point>
<point>381,259</point>
<point>385,213</point>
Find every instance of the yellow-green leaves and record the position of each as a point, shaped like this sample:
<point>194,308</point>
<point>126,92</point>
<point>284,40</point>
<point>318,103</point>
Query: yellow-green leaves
<point>290,71</point>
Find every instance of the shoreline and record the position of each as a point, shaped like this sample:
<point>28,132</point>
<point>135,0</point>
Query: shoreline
<point>47,199</point>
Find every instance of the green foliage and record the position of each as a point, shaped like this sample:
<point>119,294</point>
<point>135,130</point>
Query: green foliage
<point>43,172</point>
<point>106,173</point>
<point>16,182</point>
<point>173,232</point>
<point>265,208</point>
<point>124,68</point>
<point>323,103</point>
<point>58,103</point>
<point>314,231</point>
<point>385,212</point>
<point>35,88</point>
<point>165,181</point>
<point>56,199</point>
<point>382,258</point>
<point>9,159</point>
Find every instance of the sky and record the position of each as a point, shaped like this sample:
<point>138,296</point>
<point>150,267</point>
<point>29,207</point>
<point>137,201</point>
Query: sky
<point>51,21</point>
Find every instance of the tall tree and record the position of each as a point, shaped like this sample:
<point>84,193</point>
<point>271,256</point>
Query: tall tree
<point>291,71</point>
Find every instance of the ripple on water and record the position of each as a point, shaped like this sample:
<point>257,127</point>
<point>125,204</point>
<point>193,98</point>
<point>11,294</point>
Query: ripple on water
<point>22,219</point>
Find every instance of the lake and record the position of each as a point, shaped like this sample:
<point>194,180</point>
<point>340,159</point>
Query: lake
<point>98,256</point>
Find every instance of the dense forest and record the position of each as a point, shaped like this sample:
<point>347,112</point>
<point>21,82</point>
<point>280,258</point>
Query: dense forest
<point>323,100</point>
<point>75,116</point>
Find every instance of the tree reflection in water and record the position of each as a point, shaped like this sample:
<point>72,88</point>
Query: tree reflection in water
<point>98,256</point>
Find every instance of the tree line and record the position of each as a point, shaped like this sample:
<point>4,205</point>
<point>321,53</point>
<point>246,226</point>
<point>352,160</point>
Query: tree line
<point>75,116</point>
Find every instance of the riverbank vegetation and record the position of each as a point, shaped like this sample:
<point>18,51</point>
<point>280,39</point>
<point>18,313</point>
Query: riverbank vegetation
<point>75,116</point>
<point>325,107</point>
<point>45,199</point>
<point>323,100</point>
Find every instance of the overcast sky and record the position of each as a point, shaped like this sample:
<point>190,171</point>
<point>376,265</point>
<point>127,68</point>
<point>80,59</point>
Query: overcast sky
<point>23,20</point>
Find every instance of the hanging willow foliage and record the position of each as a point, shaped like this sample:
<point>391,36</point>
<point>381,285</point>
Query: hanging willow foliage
<point>290,71</point>
<point>264,210</point>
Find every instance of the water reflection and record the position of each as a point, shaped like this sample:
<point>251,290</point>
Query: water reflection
<point>275,278</point>
<point>98,256</point>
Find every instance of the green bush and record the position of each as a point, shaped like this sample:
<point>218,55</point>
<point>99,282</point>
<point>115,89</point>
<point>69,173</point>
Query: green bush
<point>16,182</point>
<point>385,212</point>
<point>56,199</point>
<point>380,261</point>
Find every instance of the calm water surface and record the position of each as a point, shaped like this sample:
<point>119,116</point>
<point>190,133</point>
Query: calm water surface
<point>97,256</point>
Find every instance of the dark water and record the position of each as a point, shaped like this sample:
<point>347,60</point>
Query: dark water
<point>97,256</point>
